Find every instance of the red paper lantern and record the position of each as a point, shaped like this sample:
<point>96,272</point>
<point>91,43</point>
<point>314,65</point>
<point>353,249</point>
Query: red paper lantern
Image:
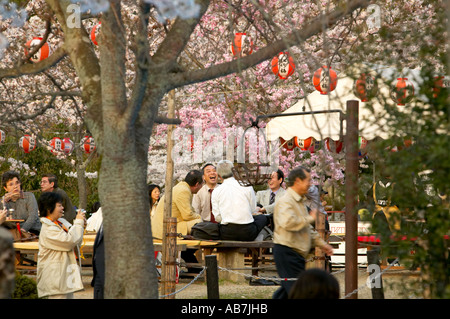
<point>306,144</point>
<point>68,146</point>
<point>325,79</point>
<point>333,146</point>
<point>362,143</point>
<point>283,65</point>
<point>2,137</point>
<point>88,144</point>
<point>57,145</point>
<point>365,87</point>
<point>27,143</point>
<point>289,144</point>
<point>402,92</point>
<point>41,54</point>
<point>316,145</point>
<point>94,32</point>
<point>440,82</point>
<point>242,45</point>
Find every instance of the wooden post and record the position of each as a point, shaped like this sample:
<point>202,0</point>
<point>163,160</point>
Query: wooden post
<point>168,267</point>
<point>351,195</point>
<point>320,228</point>
<point>212,277</point>
<point>169,253</point>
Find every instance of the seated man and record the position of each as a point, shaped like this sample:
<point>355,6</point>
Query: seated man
<point>23,204</point>
<point>202,200</point>
<point>267,198</point>
<point>233,206</point>
<point>181,209</point>
<point>181,206</point>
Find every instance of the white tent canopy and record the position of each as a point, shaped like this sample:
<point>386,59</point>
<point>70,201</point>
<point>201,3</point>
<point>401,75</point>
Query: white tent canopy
<point>321,126</point>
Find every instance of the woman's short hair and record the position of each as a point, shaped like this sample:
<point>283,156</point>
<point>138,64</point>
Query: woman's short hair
<point>47,203</point>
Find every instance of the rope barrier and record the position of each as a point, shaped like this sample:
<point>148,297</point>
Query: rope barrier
<point>278,279</point>
<point>376,277</point>
<point>179,290</point>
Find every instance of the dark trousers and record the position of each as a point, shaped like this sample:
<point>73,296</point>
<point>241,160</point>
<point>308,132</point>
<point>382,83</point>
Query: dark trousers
<point>289,264</point>
<point>243,232</point>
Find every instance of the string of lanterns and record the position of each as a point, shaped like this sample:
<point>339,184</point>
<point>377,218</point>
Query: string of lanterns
<point>312,145</point>
<point>57,145</point>
<point>283,65</point>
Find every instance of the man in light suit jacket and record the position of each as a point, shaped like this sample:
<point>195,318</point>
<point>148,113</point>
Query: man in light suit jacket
<point>266,198</point>
<point>181,206</point>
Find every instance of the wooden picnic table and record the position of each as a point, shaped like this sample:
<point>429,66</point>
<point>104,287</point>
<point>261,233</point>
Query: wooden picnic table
<point>23,249</point>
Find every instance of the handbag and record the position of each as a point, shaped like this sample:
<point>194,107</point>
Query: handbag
<point>22,235</point>
<point>206,230</point>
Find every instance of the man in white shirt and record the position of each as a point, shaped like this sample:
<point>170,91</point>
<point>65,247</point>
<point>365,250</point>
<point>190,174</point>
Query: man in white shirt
<point>201,201</point>
<point>233,206</point>
<point>268,197</point>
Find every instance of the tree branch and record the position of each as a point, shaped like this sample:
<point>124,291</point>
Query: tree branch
<point>29,69</point>
<point>294,38</point>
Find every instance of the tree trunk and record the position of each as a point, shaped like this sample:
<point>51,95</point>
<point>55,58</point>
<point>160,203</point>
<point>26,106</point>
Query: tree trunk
<point>129,254</point>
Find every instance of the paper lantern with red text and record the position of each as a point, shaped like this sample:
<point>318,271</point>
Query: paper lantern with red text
<point>242,45</point>
<point>305,144</point>
<point>289,144</point>
<point>27,143</point>
<point>57,145</point>
<point>325,79</point>
<point>94,33</point>
<point>333,146</point>
<point>68,146</point>
<point>88,144</point>
<point>402,92</point>
<point>283,65</point>
<point>362,144</point>
<point>365,87</point>
<point>41,54</point>
<point>2,137</point>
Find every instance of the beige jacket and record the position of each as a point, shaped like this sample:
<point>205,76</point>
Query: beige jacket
<point>293,224</point>
<point>57,268</point>
<point>181,209</point>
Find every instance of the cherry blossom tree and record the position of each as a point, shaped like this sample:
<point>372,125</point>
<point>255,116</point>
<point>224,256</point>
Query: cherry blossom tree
<point>146,49</point>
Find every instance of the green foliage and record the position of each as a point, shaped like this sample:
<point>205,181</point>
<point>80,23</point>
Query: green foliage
<point>31,166</point>
<point>420,173</point>
<point>25,287</point>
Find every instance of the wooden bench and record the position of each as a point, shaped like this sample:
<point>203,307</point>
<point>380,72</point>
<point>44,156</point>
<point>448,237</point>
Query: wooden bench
<point>231,255</point>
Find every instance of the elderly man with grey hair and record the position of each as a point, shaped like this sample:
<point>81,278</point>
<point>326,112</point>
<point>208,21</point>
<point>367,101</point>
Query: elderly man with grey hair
<point>233,206</point>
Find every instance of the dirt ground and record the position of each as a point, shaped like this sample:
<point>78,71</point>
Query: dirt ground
<point>394,283</point>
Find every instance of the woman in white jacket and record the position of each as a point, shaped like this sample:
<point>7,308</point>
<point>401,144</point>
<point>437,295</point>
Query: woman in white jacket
<point>58,275</point>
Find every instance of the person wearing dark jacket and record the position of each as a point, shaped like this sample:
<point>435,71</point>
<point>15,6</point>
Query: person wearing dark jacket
<point>98,265</point>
